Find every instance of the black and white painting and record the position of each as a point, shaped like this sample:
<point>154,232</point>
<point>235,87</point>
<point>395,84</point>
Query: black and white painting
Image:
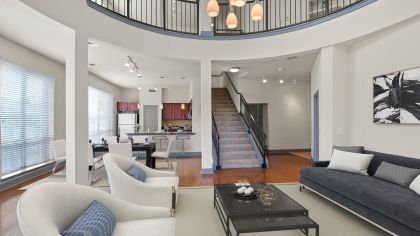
<point>397,97</point>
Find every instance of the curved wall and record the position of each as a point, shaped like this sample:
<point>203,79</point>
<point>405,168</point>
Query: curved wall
<point>369,19</point>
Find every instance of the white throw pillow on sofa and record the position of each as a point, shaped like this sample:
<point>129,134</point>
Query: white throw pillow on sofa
<point>415,185</point>
<point>350,162</point>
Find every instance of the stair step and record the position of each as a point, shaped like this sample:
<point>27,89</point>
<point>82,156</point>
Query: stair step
<point>230,128</point>
<point>224,109</point>
<point>235,147</point>
<point>223,105</point>
<point>233,134</point>
<point>225,141</point>
<point>222,123</point>
<point>240,163</point>
<point>226,118</point>
<point>225,113</point>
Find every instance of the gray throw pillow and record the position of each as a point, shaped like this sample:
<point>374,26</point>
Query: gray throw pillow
<point>396,174</point>
<point>355,149</point>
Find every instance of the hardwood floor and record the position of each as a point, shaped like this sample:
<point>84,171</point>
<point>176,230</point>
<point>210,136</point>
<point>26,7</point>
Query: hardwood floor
<point>283,168</point>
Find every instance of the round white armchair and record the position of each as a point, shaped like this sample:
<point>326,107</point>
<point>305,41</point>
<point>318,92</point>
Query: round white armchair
<point>48,209</point>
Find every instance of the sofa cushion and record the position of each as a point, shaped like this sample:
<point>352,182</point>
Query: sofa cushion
<point>96,220</point>
<point>137,173</point>
<point>149,227</point>
<point>355,149</point>
<point>395,201</point>
<point>350,162</point>
<point>415,185</point>
<point>390,158</point>
<point>396,174</point>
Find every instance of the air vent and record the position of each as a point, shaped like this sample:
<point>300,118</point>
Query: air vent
<point>92,64</point>
<point>152,90</point>
<point>292,58</point>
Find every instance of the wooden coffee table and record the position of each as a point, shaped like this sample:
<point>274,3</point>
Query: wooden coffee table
<point>249,216</point>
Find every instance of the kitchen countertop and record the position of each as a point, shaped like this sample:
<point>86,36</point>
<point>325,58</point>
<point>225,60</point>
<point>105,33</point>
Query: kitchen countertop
<point>161,133</point>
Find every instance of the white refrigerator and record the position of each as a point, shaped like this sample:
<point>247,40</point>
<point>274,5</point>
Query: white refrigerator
<point>126,123</point>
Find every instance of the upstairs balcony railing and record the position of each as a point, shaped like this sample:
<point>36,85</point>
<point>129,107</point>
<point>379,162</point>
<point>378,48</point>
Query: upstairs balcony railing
<point>172,15</point>
<point>278,14</point>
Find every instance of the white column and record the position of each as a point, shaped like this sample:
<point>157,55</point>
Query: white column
<point>205,20</point>
<point>206,136</point>
<point>77,110</point>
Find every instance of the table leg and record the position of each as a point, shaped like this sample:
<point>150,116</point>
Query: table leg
<point>227,227</point>
<point>214,198</point>
<point>148,157</point>
<point>317,231</point>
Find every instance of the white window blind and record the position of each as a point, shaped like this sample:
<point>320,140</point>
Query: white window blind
<point>101,105</point>
<point>26,117</point>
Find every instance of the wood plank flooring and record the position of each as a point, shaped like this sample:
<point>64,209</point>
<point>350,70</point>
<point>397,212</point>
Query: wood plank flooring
<point>283,168</point>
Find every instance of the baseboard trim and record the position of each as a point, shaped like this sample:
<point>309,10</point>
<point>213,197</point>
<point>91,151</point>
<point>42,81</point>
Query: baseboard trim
<point>207,171</point>
<point>18,179</point>
<point>281,151</point>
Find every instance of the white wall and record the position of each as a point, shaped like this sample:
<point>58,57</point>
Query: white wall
<point>288,110</point>
<point>19,55</point>
<point>392,50</point>
<point>176,95</point>
<point>217,82</point>
<point>129,95</point>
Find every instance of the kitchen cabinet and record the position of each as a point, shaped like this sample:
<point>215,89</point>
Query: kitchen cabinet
<point>127,107</point>
<point>174,111</point>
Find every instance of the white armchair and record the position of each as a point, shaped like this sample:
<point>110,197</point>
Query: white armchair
<point>160,188</point>
<point>47,209</point>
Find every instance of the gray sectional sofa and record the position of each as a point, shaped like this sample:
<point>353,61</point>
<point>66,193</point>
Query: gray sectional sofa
<point>391,206</point>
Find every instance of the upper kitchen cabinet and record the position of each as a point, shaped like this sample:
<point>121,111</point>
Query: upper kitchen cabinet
<point>127,107</point>
<point>175,111</point>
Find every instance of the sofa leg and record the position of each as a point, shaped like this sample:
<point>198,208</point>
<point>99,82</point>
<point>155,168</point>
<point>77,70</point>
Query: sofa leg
<point>301,188</point>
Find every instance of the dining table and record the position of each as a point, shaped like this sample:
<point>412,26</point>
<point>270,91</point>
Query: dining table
<point>149,148</point>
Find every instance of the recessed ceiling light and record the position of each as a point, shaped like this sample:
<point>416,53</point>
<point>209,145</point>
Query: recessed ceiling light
<point>234,69</point>
<point>280,69</point>
<point>92,44</point>
<point>281,81</point>
<point>138,74</point>
<point>131,70</point>
<point>139,88</point>
<point>126,64</point>
<point>264,81</point>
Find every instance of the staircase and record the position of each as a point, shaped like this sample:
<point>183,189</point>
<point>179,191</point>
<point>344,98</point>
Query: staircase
<point>235,148</point>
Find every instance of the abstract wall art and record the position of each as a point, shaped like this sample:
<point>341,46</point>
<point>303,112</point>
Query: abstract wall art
<point>396,97</point>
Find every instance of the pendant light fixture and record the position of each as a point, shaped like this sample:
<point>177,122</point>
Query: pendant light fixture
<point>212,8</point>
<point>231,20</point>
<point>257,11</point>
<point>238,3</point>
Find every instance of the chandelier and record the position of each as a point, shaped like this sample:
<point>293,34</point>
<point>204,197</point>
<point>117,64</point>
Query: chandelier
<point>257,11</point>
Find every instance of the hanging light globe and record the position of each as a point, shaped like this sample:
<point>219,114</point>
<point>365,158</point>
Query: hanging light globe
<point>231,20</point>
<point>239,3</point>
<point>257,12</point>
<point>212,8</point>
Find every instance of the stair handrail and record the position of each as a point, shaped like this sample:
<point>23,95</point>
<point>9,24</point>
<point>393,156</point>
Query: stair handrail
<point>216,141</point>
<point>256,131</point>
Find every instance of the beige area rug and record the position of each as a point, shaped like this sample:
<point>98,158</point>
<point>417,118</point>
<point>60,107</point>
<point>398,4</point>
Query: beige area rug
<point>195,215</point>
<point>100,174</point>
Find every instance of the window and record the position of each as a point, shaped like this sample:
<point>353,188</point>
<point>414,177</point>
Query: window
<point>101,106</point>
<point>26,118</point>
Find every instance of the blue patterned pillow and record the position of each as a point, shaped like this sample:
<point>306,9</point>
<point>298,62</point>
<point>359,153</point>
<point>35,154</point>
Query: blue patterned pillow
<point>137,173</point>
<point>96,220</point>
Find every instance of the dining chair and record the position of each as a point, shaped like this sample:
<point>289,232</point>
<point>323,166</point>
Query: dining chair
<point>59,152</point>
<point>94,162</point>
<point>123,138</point>
<point>140,138</point>
<point>111,139</point>
<point>124,149</point>
<point>165,154</point>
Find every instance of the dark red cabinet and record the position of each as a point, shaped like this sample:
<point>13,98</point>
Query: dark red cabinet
<point>175,111</point>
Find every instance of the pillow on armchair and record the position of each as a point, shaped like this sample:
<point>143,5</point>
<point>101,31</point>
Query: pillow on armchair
<point>137,173</point>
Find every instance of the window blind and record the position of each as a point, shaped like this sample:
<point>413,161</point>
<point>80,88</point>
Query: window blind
<point>26,117</point>
<point>101,105</point>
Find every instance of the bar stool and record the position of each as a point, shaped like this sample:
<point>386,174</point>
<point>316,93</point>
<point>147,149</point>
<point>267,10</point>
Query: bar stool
<point>159,138</point>
<point>182,138</point>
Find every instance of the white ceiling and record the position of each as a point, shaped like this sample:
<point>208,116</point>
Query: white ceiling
<point>110,59</point>
<point>293,66</point>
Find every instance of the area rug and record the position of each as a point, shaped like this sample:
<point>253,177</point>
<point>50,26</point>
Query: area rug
<point>195,215</point>
<point>99,174</point>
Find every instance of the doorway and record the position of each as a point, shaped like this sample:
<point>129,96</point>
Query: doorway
<point>150,117</point>
<point>316,127</point>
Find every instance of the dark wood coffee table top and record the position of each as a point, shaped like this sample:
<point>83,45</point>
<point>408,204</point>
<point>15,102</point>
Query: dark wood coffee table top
<point>233,207</point>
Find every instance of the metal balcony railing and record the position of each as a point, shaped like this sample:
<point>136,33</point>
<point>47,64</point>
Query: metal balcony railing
<point>171,15</point>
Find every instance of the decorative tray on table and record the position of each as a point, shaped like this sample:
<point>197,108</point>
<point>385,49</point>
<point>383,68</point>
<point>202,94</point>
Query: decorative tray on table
<point>243,196</point>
